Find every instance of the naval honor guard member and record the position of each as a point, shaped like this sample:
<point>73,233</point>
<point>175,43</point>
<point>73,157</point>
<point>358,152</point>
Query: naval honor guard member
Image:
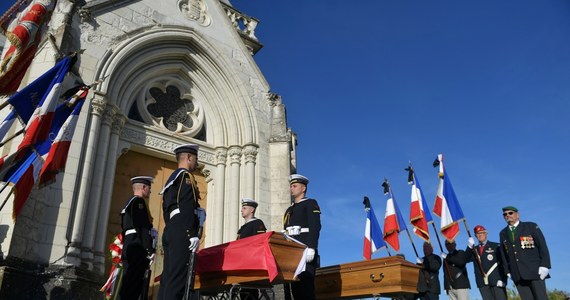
<point>252,225</point>
<point>180,209</point>
<point>302,221</point>
<point>138,239</point>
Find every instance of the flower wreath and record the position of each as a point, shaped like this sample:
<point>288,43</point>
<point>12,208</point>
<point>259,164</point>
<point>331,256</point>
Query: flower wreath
<point>116,250</point>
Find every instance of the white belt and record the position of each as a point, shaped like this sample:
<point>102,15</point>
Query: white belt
<point>174,212</point>
<point>130,231</point>
<point>486,276</point>
<point>296,231</point>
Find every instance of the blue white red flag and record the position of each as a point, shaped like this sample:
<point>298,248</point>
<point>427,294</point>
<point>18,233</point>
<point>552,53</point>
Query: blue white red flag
<point>39,125</point>
<point>393,221</point>
<point>7,124</point>
<point>446,204</point>
<point>57,155</point>
<point>25,172</point>
<point>372,233</point>
<point>420,216</point>
<point>23,180</point>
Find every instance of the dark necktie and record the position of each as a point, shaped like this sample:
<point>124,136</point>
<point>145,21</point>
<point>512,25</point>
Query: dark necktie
<point>481,247</point>
<point>513,229</point>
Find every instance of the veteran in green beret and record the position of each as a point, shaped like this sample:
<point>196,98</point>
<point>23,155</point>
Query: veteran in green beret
<point>525,255</point>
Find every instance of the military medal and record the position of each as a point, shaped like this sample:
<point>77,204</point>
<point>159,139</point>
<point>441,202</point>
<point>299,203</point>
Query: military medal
<point>490,257</point>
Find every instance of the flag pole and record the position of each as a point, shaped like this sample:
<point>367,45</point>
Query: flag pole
<point>12,137</point>
<point>475,253</point>
<point>7,197</point>
<point>412,241</point>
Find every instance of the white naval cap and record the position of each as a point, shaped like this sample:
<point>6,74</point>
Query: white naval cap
<point>248,202</point>
<point>298,178</point>
<point>187,148</point>
<point>142,179</point>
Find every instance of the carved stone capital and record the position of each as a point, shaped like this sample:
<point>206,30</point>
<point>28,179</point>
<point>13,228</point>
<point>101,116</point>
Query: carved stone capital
<point>109,114</point>
<point>221,156</point>
<point>118,123</point>
<point>250,154</point>
<point>98,106</point>
<point>235,155</point>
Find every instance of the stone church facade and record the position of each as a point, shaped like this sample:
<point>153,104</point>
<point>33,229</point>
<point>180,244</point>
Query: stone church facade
<point>175,72</point>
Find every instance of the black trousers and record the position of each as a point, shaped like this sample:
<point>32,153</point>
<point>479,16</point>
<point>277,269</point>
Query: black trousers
<point>135,263</point>
<point>532,289</point>
<point>175,242</point>
<point>493,293</point>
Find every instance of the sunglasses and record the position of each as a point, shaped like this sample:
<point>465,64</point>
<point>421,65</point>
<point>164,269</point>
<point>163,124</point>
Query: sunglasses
<point>508,213</point>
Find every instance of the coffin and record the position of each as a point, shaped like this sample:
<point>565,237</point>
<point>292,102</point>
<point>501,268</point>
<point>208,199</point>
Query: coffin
<point>262,259</point>
<point>386,277</point>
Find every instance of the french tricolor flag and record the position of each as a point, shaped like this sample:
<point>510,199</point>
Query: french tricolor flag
<point>446,204</point>
<point>57,155</point>
<point>24,179</point>
<point>38,127</point>
<point>393,221</point>
<point>372,233</point>
<point>420,216</point>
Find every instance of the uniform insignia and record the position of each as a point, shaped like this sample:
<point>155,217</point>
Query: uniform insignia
<point>527,242</point>
<point>490,257</point>
<point>141,206</point>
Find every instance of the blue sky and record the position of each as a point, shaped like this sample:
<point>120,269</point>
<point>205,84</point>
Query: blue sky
<point>370,85</point>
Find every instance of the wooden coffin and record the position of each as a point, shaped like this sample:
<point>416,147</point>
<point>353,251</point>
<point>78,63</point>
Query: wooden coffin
<point>287,255</point>
<point>386,277</point>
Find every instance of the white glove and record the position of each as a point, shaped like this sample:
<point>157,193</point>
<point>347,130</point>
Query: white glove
<point>500,283</point>
<point>443,255</point>
<point>151,258</point>
<point>543,272</point>
<point>310,254</point>
<point>194,241</point>
<point>419,260</point>
<point>509,275</point>
<point>471,242</point>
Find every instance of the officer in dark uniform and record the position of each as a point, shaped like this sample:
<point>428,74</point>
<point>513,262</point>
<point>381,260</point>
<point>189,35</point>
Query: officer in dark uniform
<point>525,255</point>
<point>138,245</point>
<point>491,281</point>
<point>302,221</point>
<point>180,237</point>
<point>252,225</point>
<point>455,278</point>
<point>429,287</point>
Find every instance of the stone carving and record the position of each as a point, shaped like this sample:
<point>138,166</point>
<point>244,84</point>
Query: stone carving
<point>168,104</point>
<point>235,155</point>
<point>195,10</point>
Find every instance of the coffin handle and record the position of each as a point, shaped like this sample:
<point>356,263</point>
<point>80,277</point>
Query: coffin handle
<point>374,279</point>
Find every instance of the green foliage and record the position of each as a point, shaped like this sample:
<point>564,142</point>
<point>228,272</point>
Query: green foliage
<point>555,294</point>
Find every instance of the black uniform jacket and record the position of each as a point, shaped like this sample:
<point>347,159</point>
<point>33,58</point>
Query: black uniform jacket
<point>306,214</point>
<point>182,192</point>
<point>252,227</point>
<point>455,273</point>
<point>490,257</point>
<point>430,274</point>
<point>135,216</point>
<point>526,254</point>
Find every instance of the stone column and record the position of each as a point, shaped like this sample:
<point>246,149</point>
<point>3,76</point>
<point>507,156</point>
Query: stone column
<point>232,216</point>
<point>73,257</point>
<point>97,186</point>
<point>107,193</point>
<point>209,227</point>
<point>219,195</point>
<point>250,155</point>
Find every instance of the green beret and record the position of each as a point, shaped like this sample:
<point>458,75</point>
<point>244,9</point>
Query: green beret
<point>510,208</point>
